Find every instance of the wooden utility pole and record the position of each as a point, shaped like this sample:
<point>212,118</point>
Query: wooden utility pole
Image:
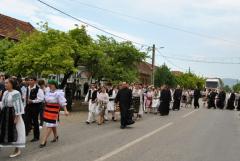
<point>153,63</point>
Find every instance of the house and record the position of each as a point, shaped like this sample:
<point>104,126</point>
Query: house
<point>145,72</point>
<point>11,27</point>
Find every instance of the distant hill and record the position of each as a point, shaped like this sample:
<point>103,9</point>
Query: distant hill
<point>229,81</point>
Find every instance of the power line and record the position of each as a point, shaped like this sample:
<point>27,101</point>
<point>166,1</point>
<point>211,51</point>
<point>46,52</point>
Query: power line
<point>160,24</point>
<point>202,61</point>
<point>93,26</point>
<point>169,61</point>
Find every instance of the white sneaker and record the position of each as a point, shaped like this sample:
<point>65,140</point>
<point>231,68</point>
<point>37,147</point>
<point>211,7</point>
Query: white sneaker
<point>15,154</point>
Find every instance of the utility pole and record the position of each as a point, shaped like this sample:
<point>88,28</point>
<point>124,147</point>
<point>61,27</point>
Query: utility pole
<point>153,63</point>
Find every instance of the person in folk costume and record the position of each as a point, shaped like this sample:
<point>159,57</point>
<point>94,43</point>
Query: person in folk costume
<point>137,100</point>
<point>155,100</point>
<point>148,98</point>
<point>102,100</point>
<point>35,97</point>
<point>196,97</point>
<point>220,99</point>
<point>124,99</point>
<point>205,98</point>
<point>12,128</point>
<point>231,101</point>
<point>112,93</point>
<point>141,108</point>
<point>189,99</point>
<point>91,98</point>
<point>165,99</point>
<point>144,91</point>
<point>177,95</point>
<point>54,101</point>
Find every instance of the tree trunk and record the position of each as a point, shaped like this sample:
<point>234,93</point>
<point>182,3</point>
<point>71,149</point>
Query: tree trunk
<point>65,78</point>
<point>69,73</point>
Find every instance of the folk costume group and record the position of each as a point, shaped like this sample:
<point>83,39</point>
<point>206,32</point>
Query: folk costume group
<point>21,107</point>
<point>132,101</point>
<point>27,106</point>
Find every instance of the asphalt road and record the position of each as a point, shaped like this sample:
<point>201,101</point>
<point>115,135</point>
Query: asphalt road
<point>186,135</point>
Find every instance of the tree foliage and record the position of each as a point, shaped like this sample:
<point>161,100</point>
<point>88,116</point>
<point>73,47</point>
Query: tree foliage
<point>236,87</point>
<point>190,81</point>
<point>227,88</point>
<point>120,59</point>
<point>41,53</point>
<point>163,76</point>
<point>5,45</point>
<point>48,51</point>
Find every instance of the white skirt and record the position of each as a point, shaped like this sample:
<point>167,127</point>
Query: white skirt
<point>110,106</point>
<point>155,103</point>
<point>21,135</point>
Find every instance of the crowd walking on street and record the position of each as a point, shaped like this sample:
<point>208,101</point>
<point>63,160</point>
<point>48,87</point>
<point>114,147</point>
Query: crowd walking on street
<point>32,105</point>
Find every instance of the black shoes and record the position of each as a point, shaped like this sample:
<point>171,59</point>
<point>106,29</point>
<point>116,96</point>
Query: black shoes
<point>122,127</point>
<point>43,145</point>
<point>34,140</point>
<point>54,140</point>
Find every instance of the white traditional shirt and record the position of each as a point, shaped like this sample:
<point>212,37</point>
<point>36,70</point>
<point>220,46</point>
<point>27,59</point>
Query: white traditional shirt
<point>103,97</point>
<point>13,99</point>
<point>40,94</point>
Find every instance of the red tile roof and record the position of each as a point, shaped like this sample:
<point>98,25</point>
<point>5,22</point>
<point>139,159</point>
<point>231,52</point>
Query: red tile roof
<point>145,68</point>
<point>9,27</point>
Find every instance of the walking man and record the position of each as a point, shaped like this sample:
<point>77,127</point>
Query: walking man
<point>124,98</point>
<point>35,97</point>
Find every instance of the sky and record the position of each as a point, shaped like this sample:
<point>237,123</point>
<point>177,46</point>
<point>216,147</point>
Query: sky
<point>217,21</point>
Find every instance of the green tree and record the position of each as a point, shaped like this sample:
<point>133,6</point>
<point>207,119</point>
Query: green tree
<point>236,87</point>
<point>41,53</point>
<point>190,81</point>
<point>5,45</point>
<point>118,60</point>
<point>163,75</point>
<point>227,88</point>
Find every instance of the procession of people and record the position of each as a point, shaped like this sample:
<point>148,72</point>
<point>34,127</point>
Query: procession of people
<point>28,105</point>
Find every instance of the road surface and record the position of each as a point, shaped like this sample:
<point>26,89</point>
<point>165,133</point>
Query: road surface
<point>186,135</point>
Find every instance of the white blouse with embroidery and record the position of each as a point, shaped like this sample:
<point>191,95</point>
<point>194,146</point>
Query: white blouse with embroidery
<point>13,99</point>
<point>56,97</point>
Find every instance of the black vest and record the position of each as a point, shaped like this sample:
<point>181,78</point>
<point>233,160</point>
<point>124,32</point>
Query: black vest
<point>33,94</point>
<point>92,95</point>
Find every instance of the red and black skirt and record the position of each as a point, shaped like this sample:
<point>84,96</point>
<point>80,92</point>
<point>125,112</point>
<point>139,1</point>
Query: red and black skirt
<point>51,113</point>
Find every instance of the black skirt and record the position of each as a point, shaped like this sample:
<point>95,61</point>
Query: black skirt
<point>8,131</point>
<point>136,104</point>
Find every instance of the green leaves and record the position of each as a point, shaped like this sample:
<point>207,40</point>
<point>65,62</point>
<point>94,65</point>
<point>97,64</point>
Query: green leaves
<point>163,76</point>
<point>190,81</point>
<point>41,53</point>
<point>5,44</point>
<point>236,87</point>
<point>50,51</point>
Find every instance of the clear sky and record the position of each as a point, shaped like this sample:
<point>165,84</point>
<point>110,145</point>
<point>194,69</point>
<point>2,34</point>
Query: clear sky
<point>213,18</point>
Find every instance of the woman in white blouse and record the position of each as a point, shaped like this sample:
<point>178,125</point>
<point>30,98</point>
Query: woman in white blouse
<point>12,128</point>
<point>54,100</point>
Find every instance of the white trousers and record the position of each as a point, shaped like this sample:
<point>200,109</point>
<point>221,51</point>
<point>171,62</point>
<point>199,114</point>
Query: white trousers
<point>92,108</point>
